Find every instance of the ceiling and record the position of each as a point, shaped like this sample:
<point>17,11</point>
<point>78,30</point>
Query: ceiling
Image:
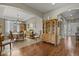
<point>13,13</point>
<point>41,7</point>
<point>45,7</point>
<point>10,11</point>
<point>71,14</point>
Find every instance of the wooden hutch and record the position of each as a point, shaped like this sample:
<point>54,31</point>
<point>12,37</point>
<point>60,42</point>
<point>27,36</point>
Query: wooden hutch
<point>51,31</point>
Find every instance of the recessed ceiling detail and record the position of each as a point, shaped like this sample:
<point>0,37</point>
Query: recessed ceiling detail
<point>46,7</point>
<point>73,14</point>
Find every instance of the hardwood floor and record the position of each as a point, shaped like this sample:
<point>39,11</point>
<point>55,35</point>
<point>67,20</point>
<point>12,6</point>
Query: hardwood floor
<point>46,49</point>
<point>67,47</point>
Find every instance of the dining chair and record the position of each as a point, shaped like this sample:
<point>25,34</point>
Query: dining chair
<point>3,43</point>
<point>11,35</point>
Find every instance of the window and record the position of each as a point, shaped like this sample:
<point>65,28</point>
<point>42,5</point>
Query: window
<point>11,26</point>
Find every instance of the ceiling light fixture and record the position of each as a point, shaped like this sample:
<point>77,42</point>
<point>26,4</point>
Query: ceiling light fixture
<point>53,3</point>
<point>70,15</point>
<point>69,9</point>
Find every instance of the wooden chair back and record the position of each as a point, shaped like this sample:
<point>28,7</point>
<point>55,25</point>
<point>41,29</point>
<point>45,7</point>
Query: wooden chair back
<point>1,38</point>
<point>11,36</point>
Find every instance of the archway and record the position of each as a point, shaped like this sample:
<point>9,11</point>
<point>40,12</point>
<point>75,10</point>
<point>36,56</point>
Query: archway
<point>70,28</point>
